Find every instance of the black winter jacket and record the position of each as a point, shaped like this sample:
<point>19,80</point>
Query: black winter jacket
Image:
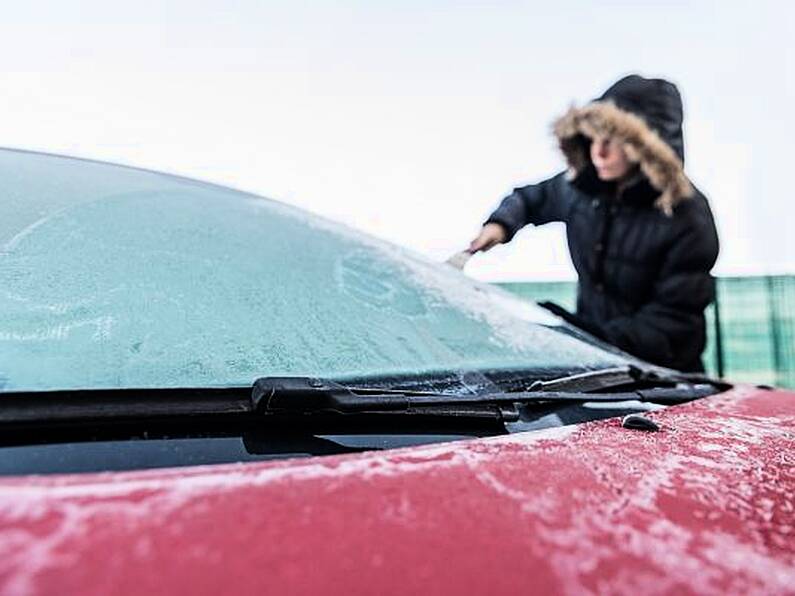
<point>643,252</point>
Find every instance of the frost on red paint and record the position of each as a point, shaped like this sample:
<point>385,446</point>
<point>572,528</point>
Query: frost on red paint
<point>704,506</point>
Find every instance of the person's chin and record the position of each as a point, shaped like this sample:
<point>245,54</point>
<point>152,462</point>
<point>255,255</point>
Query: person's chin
<point>606,175</point>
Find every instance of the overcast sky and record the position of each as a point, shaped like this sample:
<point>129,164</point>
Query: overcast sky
<point>407,119</point>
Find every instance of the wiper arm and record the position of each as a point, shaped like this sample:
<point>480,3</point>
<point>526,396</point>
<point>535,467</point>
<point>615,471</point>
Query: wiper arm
<point>600,380</point>
<point>302,395</point>
<point>595,380</point>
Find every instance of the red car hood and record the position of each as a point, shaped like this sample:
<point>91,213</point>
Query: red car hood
<point>707,505</point>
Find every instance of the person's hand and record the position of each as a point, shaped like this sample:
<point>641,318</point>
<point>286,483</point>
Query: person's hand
<point>490,236</point>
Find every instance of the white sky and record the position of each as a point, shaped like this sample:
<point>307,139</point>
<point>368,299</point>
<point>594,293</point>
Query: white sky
<point>407,119</point>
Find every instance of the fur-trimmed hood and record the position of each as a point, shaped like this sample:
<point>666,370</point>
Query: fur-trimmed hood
<point>646,115</point>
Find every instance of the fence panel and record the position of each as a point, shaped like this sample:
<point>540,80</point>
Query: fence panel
<point>757,325</point>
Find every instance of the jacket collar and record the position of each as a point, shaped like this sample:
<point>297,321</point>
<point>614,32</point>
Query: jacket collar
<point>637,191</point>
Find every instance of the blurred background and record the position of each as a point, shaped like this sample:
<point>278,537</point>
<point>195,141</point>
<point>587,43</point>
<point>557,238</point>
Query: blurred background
<point>411,120</point>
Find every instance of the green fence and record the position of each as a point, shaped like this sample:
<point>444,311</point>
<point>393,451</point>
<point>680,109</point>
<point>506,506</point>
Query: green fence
<point>756,316</point>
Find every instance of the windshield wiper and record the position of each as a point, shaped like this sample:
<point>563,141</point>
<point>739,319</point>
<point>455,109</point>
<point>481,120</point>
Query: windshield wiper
<point>299,396</point>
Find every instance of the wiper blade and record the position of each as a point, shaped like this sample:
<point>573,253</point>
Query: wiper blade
<point>97,404</point>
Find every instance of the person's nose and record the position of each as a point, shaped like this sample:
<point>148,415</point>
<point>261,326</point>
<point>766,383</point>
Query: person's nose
<point>602,148</point>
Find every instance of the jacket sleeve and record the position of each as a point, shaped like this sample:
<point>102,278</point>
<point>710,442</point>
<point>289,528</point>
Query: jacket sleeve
<point>537,204</point>
<point>684,288</point>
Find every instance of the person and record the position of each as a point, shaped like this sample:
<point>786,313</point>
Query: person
<point>641,236</point>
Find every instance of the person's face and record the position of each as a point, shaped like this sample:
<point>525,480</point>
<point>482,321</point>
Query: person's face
<point>609,159</point>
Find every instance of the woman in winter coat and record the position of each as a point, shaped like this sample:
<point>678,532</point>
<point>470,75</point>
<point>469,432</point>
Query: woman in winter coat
<point>641,236</point>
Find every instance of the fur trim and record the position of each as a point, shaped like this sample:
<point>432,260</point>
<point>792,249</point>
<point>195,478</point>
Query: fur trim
<point>643,146</point>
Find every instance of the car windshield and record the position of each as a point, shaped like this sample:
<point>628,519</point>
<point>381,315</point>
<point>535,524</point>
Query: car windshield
<point>115,277</point>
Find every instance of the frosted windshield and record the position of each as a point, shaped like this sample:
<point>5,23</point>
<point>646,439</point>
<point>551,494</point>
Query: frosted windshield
<point>117,277</point>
